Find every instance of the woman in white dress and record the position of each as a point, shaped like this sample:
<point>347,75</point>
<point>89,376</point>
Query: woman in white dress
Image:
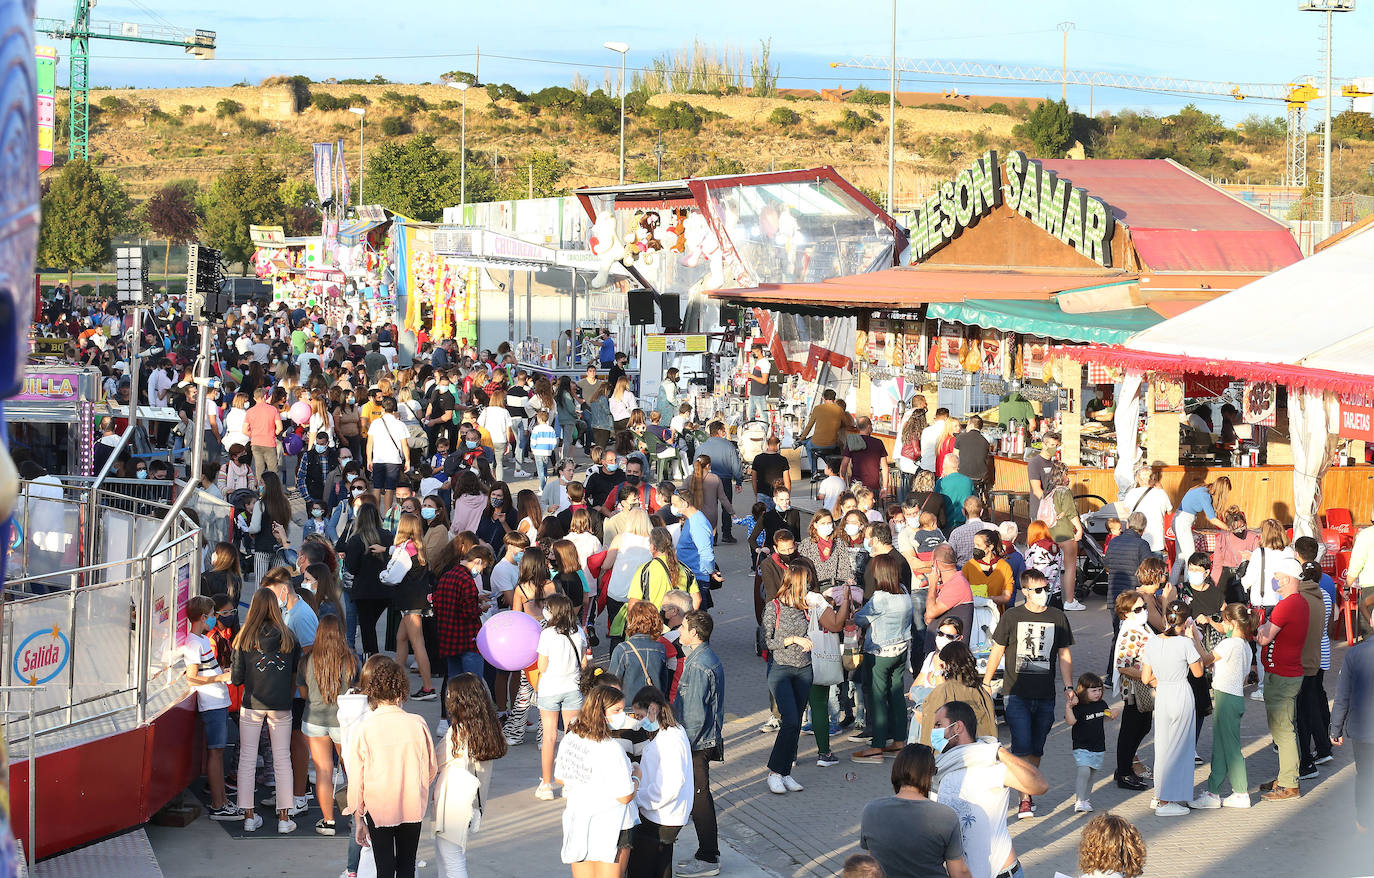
<point>1166,662</point>
<point>233,422</point>
<point>627,553</point>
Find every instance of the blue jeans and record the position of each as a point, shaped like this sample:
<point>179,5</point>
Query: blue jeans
<point>758,406</point>
<point>814,451</point>
<point>541,469</point>
<point>467,663</point>
<point>522,440</point>
<point>791,689</point>
<point>350,619</point>
<point>1030,720</point>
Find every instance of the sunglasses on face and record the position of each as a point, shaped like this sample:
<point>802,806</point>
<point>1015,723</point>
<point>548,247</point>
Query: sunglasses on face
<point>1139,609</point>
<point>1041,590</point>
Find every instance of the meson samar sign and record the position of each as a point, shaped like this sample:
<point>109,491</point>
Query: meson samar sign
<point>1046,199</point>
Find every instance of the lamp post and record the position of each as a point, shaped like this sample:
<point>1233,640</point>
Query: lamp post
<point>462,146</point>
<point>1329,7</point>
<point>623,49</point>
<point>361,113</point>
<point>892,120</point>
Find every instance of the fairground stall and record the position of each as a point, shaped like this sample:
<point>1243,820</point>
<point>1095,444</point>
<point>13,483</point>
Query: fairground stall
<point>1014,258</point>
<point>678,240</point>
<point>1292,354</point>
<point>52,418</point>
<point>340,269</point>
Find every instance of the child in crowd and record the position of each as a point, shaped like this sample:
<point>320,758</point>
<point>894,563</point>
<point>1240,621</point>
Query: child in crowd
<point>1088,720</point>
<point>208,678</point>
<point>928,535</point>
<point>1114,528</point>
<point>756,513</point>
<point>543,441</point>
<point>316,521</point>
<point>832,486</point>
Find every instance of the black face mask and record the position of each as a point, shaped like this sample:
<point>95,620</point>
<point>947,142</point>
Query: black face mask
<point>631,479</point>
<point>980,554</point>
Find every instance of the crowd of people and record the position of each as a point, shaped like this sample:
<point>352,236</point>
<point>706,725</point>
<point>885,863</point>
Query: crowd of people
<point>373,526</point>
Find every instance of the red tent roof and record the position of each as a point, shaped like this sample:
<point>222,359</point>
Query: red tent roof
<point>1179,221</point>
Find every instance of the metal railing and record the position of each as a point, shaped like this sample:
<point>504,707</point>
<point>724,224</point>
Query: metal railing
<point>30,849</point>
<point>100,638</point>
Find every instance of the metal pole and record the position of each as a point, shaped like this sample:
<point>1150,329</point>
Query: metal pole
<point>1326,138</point>
<point>202,396</point>
<point>145,609</point>
<point>134,370</point>
<point>1064,28</point>
<point>361,157</point>
<point>33,787</point>
<point>463,158</point>
<point>892,119</point>
<point>622,116</point>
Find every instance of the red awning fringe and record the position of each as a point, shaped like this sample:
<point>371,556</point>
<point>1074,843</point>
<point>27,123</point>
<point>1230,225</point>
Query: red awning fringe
<point>1179,365</point>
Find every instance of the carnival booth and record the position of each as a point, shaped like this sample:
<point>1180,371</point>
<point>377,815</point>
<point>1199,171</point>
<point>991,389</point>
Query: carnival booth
<point>678,240</point>
<point>1293,353</point>
<point>52,417</point>
<point>341,268</point>
<point>1015,258</point>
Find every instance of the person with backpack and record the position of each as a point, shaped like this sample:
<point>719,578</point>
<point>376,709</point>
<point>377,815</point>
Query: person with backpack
<point>562,645</point>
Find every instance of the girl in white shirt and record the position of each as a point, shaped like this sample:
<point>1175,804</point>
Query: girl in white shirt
<point>562,645</point>
<point>622,403</point>
<point>1230,663</point>
<point>599,786</point>
<point>496,420</point>
<point>664,797</point>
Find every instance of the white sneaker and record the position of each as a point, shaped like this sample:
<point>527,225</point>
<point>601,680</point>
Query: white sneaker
<point>775,784</point>
<point>1257,695</point>
<point>1171,809</point>
<point>286,827</point>
<point>252,824</point>
<point>544,793</point>
<point>1154,803</point>
<point>770,726</point>
<point>695,868</point>
<point>792,785</point>
<point>1073,607</point>
<point>1236,800</point>
<point>1207,801</point>
<point>1083,806</point>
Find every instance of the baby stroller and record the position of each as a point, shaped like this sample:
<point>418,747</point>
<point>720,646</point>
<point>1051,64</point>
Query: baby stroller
<point>1092,554</point>
<point>751,438</point>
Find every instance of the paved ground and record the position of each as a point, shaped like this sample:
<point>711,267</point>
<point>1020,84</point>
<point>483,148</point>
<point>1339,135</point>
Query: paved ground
<point>810,833</point>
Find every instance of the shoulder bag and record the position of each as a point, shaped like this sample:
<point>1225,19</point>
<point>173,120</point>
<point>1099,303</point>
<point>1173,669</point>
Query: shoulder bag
<point>397,566</point>
<point>827,668</point>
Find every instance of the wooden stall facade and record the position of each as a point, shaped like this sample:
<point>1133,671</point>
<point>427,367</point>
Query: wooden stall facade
<point>1261,491</point>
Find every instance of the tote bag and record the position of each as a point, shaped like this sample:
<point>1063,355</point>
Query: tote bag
<point>826,667</point>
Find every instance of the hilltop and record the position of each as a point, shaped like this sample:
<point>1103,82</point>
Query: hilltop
<point>147,137</point>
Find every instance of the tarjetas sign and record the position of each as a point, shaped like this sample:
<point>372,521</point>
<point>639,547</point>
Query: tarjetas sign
<point>1046,199</point>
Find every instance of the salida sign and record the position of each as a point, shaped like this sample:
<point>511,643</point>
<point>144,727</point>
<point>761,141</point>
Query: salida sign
<point>41,656</point>
<point>1046,199</point>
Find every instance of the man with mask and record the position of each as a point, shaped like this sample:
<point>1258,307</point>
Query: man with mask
<point>1282,641</point>
<point>973,776</point>
<point>318,461</point>
<point>606,479</point>
<point>700,704</point>
<point>554,496</point>
<point>772,570</point>
<point>438,414</point>
<point>726,465</point>
<point>1033,636</point>
<point>634,484</point>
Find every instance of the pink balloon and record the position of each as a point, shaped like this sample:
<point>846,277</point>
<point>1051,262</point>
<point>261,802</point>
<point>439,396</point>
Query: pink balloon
<point>509,640</point>
<point>300,412</point>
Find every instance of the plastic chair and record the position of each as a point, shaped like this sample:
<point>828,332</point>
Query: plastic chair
<point>1343,522</point>
<point>1350,605</point>
<point>1331,542</point>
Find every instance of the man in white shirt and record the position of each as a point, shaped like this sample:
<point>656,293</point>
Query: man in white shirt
<point>388,452</point>
<point>159,382</point>
<point>930,439</point>
<point>832,486</point>
<point>207,679</point>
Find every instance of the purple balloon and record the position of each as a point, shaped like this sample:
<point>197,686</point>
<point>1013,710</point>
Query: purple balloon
<point>509,640</point>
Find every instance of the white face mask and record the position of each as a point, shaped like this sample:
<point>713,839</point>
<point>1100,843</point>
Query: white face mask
<point>548,615</point>
<point>1039,601</point>
<point>825,530</point>
<point>622,722</point>
<point>941,641</point>
<point>853,529</point>
<point>1197,577</point>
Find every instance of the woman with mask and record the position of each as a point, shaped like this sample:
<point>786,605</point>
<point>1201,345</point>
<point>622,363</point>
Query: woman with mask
<point>233,421</point>
<point>434,516</point>
<point>410,597</point>
<point>786,626</point>
<point>366,550</point>
<point>499,517</point>
<point>348,422</point>
<point>831,557</point>
<point>664,797</point>
<point>465,756</point>
<point>237,473</point>
<point>470,503</point>
<point>1133,635</point>
<point>562,646</point>
<point>599,787</point>
<point>325,674</point>
<point>932,673</point>
<point>341,519</point>
<point>886,620</point>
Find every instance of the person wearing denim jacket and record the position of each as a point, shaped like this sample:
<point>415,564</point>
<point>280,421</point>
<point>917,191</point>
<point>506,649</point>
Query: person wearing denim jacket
<point>700,706</point>
<point>886,619</point>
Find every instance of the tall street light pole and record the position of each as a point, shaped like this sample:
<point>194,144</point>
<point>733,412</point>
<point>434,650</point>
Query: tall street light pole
<point>463,147</point>
<point>892,120</point>
<point>622,49</point>
<point>1064,28</point>
<point>361,113</point>
<point>1329,7</point>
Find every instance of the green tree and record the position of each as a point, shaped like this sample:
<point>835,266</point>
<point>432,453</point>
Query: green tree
<point>543,169</point>
<point>171,214</point>
<point>1352,125</point>
<point>419,179</point>
<point>248,193</point>
<point>1049,128</point>
<point>228,107</point>
<point>783,117</point>
<point>299,216</point>
<point>82,211</point>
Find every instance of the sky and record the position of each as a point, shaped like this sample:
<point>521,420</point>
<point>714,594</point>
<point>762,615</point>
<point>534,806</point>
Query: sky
<point>1267,41</point>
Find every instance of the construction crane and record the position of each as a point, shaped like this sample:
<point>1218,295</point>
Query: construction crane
<point>80,31</point>
<point>1295,96</point>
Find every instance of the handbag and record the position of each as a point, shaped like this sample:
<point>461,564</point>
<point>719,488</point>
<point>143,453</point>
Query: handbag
<point>1141,695</point>
<point>397,567</point>
<point>826,666</point>
<point>854,442</point>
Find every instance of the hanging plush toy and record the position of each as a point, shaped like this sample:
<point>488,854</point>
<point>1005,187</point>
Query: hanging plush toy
<point>648,236</point>
<point>676,231</point>
<point>604,245</point>
<point>702,243</point>
<point>633,245</point>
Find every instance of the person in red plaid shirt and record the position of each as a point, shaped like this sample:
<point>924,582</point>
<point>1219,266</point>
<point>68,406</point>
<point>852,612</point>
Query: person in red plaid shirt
<point>458,608</point>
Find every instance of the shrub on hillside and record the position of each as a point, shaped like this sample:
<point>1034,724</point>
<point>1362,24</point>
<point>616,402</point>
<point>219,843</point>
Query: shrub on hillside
<point>783,117</point>
<point>228,107</point>
<point>395,126</point>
